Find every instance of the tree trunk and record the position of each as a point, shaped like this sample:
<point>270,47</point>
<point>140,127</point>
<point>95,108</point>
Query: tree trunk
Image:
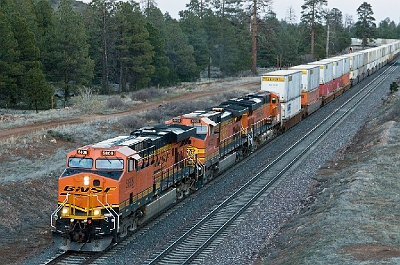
<point>312,30</point>
<point>254,39</point>
<point>105,56</point>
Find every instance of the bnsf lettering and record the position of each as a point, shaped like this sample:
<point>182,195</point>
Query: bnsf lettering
<point>86,189</point>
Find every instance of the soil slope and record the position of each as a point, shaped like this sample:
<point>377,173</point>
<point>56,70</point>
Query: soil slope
<point>355,215</point>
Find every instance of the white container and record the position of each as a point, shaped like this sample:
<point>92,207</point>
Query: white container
<point>346,64</point>
<point>309,76</point>
<point>337,64</point>
<point>290,108</point>
<point>364,57</point>
<point>325,71</point>
<point>286,83</point>
<point>354,60</point>
<point>372,57</point>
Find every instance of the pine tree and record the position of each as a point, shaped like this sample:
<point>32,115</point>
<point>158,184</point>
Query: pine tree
<point>102,39</point>
<point>68,61</point>
<point>183,66</point>
<point>365,26</point>
<point>339,38</point>
<point>38,91</point>
<point>311,16</point>
<point>8,60</point>
<point>192,26</point>
<point>256,7</point>
<point>133,46</point>
<point>157,32</point>
<point>160,60</point>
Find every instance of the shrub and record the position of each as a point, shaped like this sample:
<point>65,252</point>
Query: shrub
<point>115,103</point>
<point>88,103</point>
<point>147,94</point>
<point>66,137</point>
<point>132,122</point>
<point>154,116</point>
<point>394,87</point>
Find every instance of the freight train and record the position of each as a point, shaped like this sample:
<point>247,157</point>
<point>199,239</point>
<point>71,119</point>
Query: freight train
<point>114,186</point>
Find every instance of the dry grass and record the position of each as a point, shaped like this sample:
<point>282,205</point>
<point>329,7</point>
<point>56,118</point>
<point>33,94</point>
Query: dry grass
<point>43,152</point>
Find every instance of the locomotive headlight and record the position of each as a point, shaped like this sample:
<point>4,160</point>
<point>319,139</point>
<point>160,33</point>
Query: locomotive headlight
<point>65,211</point>
<point>96,212</point>
<point>86,180</point>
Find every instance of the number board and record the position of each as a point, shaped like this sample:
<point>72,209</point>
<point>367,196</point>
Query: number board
<point>107,153</point>
<point>82,152</point>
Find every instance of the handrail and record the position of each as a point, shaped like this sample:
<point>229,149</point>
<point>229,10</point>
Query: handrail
<point>116,226</point>
<point>57,210</point>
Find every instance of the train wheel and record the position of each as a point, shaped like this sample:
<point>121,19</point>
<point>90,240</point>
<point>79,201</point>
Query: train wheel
<point>124,232</point>
<point>179,194</point>
<point>134,225</point>
<point>187,192</point>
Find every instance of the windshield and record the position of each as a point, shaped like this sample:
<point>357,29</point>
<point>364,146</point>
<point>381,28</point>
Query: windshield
<point>201,129</point>
<point>79,162</point>
<point>109,163</point>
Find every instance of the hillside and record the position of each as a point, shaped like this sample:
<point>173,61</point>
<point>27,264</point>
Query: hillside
<point>352,214</point>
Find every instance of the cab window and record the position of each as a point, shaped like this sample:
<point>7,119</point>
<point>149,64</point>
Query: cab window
<point>131,165</point>
<point>201,131</point>
<point>79,162</point>
<point>109,163</point>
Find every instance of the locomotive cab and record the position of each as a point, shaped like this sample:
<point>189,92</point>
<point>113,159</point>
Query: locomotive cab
<point>111,187</point>
<point>88,200</point>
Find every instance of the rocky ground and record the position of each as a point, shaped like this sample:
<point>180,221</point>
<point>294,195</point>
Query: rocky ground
<point>355,217</point>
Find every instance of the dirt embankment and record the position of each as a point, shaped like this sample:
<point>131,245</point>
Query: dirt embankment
<point>356,211</point>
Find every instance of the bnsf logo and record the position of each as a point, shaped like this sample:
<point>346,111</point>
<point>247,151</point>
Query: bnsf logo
<point>86,189</point>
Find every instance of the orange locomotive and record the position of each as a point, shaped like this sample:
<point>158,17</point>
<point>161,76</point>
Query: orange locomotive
<point>110,187</point>
<point>226,133</point>
<point>113,186</point>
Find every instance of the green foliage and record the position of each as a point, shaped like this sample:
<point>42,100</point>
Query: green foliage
<point>312,15</point>
<point>192,27</point>
<point>111,43</point>
<point>183,67</point>
<point>388,30</point>
<point>339,38</point>
<point>365,26</point>
<point>135,52</point>
<point>101,36</point>
<point>67,59</point>
<point>8,60</point>
<point>37,90</point>
<point>394,87</point>
<point>160,60</point>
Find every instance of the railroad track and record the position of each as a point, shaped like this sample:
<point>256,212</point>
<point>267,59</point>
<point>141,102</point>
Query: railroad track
<point>194,245</point>
<point>72,258</point>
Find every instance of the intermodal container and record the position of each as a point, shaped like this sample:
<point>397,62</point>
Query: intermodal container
<point>325,77</point>
<point>309,83</point>
<point>286,83</point>
<point>337,64</point>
